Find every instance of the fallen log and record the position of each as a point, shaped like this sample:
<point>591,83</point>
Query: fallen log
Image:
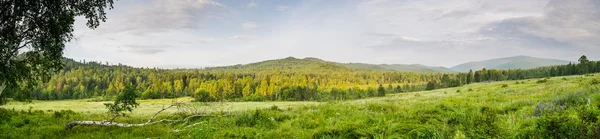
<point>107,123</point>
<point>111,123</point>
<point>149,122</point>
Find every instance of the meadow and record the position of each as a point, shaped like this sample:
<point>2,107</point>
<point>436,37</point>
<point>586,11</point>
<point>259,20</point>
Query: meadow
<point>558,107</point>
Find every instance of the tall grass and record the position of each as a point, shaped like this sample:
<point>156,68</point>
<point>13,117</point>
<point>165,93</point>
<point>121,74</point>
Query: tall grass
<point>556,108</point>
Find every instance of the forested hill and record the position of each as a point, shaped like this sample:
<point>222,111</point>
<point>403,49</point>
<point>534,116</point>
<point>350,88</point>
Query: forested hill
<point>516,62</point>
<point>289,64</point>
<point>283,79</point>
<point>399,67</point>
<point>308,65</point>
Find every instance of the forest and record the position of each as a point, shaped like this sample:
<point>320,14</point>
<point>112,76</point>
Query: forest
<point>286,79</point>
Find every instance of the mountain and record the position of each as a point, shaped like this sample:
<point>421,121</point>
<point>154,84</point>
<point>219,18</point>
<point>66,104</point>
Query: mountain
<point>289,64</point>
<point>310,64</point>
<point>516,62</point>
<point>398,67</point>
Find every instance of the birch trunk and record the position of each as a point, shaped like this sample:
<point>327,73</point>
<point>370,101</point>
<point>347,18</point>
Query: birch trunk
<point>2,86</point>
<point>107,123</point>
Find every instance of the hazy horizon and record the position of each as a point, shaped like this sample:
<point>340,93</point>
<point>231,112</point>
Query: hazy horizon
<point>204,33</point>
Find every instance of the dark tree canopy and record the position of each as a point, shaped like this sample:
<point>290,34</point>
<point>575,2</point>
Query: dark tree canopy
<point>583,59</point>
<point>33,34</point>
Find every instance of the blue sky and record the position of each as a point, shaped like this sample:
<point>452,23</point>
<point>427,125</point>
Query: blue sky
<point>201,33</point>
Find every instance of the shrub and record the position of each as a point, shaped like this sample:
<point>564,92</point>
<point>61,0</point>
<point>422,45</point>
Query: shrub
<point>125,101</point>
<point>64,113</point>
<point>559,126</point>
<point>255,119</point>
<point>203,95</point>
<point>458,91</point>
<point>542,108</point>
<point>275,108</point>
<point>595,81</point>
<point>470,89</point>
<point>542,81</point>
<point>504,85</point>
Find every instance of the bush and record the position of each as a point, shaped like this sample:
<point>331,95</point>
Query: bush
<point>504,85</point>
<point>595,81</point>
<point>559,126</point>
<point>542,81</point>
<point>203,95</point>
<point>255,119</point>
<point>64,113</point>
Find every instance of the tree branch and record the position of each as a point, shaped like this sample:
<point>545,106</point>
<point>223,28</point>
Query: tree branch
<point>163,109</point>
<point>149,122</point>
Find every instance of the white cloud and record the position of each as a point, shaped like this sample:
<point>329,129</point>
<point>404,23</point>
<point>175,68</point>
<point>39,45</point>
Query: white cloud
<point>244,37</point>
<point>206,33</point>
<point>252,4</point>
<point>160,16</point>
<point>249,25</point>
<point>145,49</point>
<point>281,8</point>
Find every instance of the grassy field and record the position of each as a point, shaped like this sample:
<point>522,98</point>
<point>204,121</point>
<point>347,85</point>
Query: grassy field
<point>559,107</point>
<point>149,107</point>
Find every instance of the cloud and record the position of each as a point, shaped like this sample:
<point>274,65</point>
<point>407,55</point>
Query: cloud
<point>244,37</point>
<point>564,23</point>
<point>281,8</point>
<point>252,4</point>
<point>449,32</point>
<point>379,34</point>
<point>145,49</point>
<point>198,40</point>
<point>160,16</point>
<point>249,25</point>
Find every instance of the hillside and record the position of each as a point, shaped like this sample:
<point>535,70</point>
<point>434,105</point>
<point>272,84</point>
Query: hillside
<point>516,62</point>
<point>398,67</point>
<point>289,64</point>
<point>309,64</point>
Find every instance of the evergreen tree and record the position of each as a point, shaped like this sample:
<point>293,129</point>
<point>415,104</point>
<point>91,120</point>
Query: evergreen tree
<point>380,91</point>
<point>470,77</point>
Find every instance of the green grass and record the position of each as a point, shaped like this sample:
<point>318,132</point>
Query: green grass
<point>559,107</point>
<point>148,107</point>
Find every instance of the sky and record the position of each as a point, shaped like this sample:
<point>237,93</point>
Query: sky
<point>204,33</point>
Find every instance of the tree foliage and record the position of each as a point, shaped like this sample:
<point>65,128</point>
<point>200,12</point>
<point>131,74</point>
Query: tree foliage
<point>125,101</point>
<point>33,34</point>
<point>93,79</point>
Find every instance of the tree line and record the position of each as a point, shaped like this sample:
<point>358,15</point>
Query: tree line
<point>584,66</point>
<point>93,79</point>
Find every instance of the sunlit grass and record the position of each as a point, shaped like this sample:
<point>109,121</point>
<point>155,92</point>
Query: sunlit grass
<point>482,110</point>
<point>149,107</point>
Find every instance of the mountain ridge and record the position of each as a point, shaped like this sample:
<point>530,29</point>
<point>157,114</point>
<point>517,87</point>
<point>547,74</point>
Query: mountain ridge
<point>514,62</point>
<point>312,64</point>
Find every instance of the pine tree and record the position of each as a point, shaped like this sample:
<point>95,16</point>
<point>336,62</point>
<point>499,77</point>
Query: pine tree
<point>380,91</point>
<point>470,77</point>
